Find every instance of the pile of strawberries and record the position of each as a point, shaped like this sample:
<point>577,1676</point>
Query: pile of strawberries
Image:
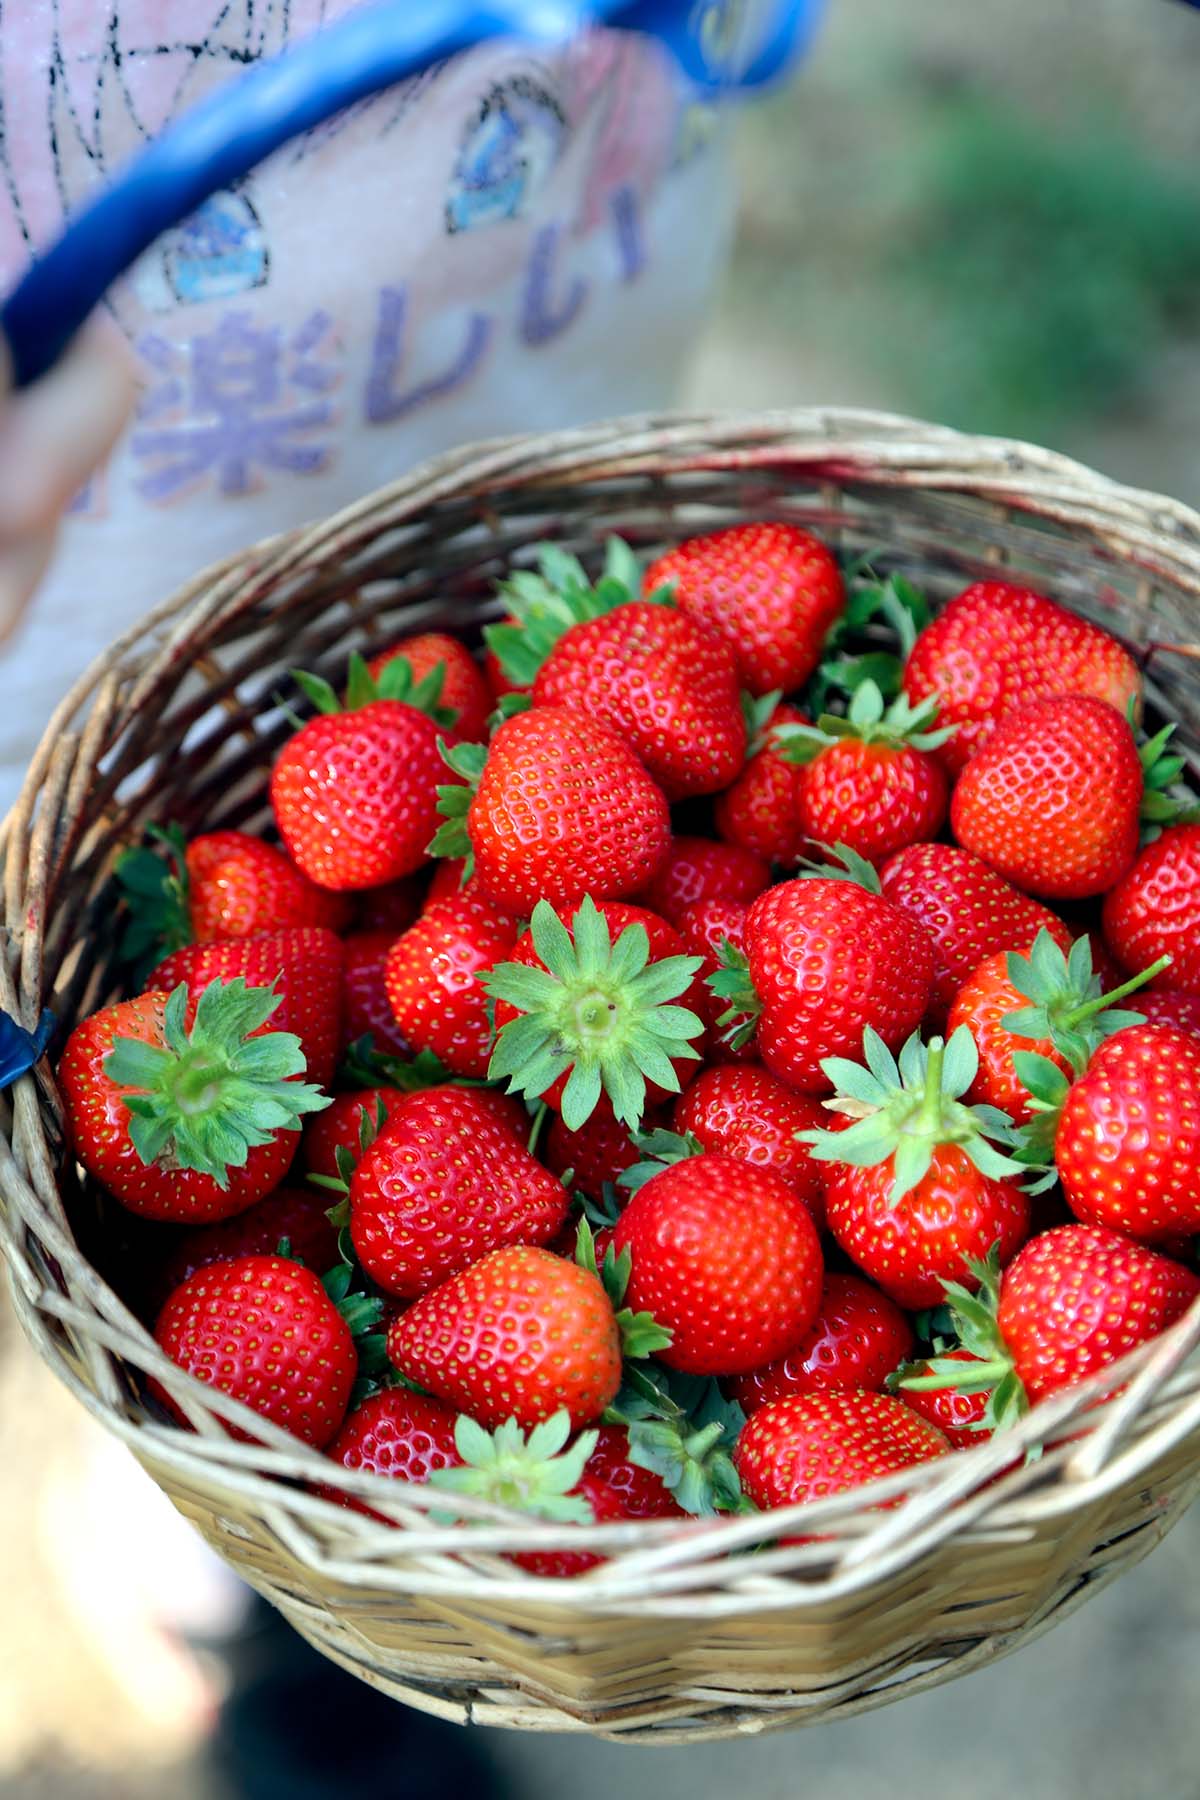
<point>737,1036</point>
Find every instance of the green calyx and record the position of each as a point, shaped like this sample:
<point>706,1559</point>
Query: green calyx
<point>394,682</point>
<point>838,862</point>
<point>683,1429</point>
<point>369,1128</point>
<point>869,720</point>
<point>1165,801</point>
<point>1067,1004</point>
<point>659,1150</point>
<point>547,603</point>
<point>1033,1143</point>
<point>731,981</point>
<point>758,713</point>
<point>977,1328</point>
<point>205,1098</point>
<point>641,1334</point>
<point>597,1009</point>
<point>533,1474</point>
<point>454,803</point>
<point>908,1109</point>
<point>890,609</point>
<point>155,892</point>
<point>363,1066</point>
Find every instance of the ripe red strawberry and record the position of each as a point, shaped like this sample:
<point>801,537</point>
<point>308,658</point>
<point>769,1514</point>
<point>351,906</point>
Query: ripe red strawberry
<point>463,690</point>
<point>433,980</point>
<point>596,1154</point>
<point>760,811</point>
<point>440,1187</point>
<point>355,792</point>
<point>1052,800</point>
<point>1044,1003</point>
<point>398,1434</point>
<point>183,1109</point>
<point>1168,1006</point>
<point>857,1339</point>
<point>292,1215</point>
<point>916,1188</point>
<point>1154,910</point>
<point>366,1010</point>
<point>726,1258</point>
<point>809,1446</point>
<point>706,929</point>
<point>264,1331</point>
<point>562,1352</point>
<point>580,1013</point>
<point>700,869</point>
<point>341,1126</point>
<point>825,958</point>
<point>771,589</point>
<point>997,647</point>
<point>1127,1141</point>
<point>305,966</point>
<point>961,1416</point>
<point>561,808</point>
<point>967,909</point>
<point>747,1113</point>
<point>613,1488</point>
<point>1075,1300</point>
<point>871,780</point>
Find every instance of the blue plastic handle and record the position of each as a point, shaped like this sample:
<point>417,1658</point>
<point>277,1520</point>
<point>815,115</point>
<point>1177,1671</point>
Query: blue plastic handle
<point>231,132</point>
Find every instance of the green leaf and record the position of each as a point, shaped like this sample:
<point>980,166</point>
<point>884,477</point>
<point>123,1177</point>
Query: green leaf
<point>317,691</point>
<point>534,1475</point>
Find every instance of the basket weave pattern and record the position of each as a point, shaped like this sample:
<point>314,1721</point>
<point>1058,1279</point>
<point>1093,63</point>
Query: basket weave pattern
<point>680,1635</point>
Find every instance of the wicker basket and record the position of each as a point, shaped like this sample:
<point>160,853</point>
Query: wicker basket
<point>680,1635</point>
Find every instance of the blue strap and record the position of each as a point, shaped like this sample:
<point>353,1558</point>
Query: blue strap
<point>20,1049</point>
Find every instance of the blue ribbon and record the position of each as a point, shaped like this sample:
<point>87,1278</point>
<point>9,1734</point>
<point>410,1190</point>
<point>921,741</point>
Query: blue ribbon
<point>20,1049</point>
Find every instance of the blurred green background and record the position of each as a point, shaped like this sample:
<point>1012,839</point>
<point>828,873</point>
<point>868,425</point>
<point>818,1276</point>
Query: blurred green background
<point>986,215</point>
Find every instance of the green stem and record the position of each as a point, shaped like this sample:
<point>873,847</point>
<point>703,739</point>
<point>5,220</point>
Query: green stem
<point>701,1442</point>
<point>1102,1002</point>
<point>975,1375</point>
<point>539,1121</point>
<point>930,1116</point>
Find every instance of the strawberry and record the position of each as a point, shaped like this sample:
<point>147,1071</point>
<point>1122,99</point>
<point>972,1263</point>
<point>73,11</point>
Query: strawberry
<point>726,1258</point>
<point>1052,800</point>
<point>292,1216</point>
<point>1168,1006</point>
<point>1075,1300</point>
<point>349,1117</point>
<point>463,690</point>
<point>355,791</point>
<point>433,977</point>
<point>393,907</point>
<point>595,1154</point>
<point>747,1113</point>
<point>997,647</point>
<point>1154,910</point>
<point>968,911</point>
<point>394,1433</point>
<point>264,1331</point>
<point>303,965</point>
<point>1069,1016</point>
<point>181,1107</point>
<point>917,1188</point>
<point>664,684</point>
<point>870,780</point>
<point>581,1014</point>
<point>443,1184</point>
<point>771,589</point>
<point>760,811</point>
<point>1126,1132</point>
<point>808,1446</point>
<point>823,959</point>
<point>613,1488</point>
<point>699,869</point>
<point>224,884</point>
<point>961,1416</point>
<point>366,1009</point>
<point>557,807</point>
<point>562,1349</point>
<point>857,1339</point>
<point>710,930</point>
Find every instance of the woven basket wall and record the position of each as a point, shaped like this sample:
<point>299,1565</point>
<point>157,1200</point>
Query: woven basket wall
<point>681,1634</point>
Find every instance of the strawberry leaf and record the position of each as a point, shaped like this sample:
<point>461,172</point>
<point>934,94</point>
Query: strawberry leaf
<point>534,1474</point>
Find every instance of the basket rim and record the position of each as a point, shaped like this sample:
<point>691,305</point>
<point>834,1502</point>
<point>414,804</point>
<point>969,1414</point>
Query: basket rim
<point>856,445</point>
